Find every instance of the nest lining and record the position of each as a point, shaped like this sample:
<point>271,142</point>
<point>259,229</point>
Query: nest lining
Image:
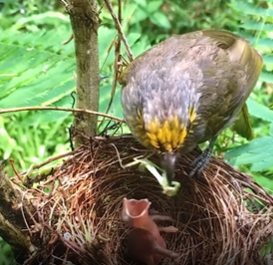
<point>223,217</point>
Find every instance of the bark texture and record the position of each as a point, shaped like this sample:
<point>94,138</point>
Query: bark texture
<point>15,218</point>
<point>85,23</point>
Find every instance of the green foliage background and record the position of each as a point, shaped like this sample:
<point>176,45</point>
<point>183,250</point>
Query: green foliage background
<point>37,70</point>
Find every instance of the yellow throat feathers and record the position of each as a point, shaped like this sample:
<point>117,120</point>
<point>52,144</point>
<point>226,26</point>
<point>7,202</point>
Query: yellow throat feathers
<point>169,135</point>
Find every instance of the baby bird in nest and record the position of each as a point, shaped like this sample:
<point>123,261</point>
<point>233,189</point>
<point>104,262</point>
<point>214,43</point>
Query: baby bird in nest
<point>145,242</point>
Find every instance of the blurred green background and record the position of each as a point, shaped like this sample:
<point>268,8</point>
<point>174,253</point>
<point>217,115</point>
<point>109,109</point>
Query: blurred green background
<point>37,70</point>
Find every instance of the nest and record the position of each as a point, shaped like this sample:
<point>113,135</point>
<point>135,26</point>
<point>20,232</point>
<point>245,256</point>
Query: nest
<point>223,217</point>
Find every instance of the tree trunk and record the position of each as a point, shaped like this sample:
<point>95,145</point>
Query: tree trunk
<point>85,22</point>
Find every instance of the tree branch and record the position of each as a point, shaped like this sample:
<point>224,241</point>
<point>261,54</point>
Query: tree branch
<point>119,29</point>
<point>4,111</point>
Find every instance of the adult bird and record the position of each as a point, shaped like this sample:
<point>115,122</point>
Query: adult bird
<point>186,90</point>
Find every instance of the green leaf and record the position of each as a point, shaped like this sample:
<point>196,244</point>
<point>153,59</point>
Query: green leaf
<point>43,117</point>
<point>141,3</point>
<point>34,70</point>
<point>271,129</point>
<point>261,41</point>
<point>135,14</point>
<point>161,20</point>
<point>153,6</point>
<point>115,109</point>
<point>266,77</point>
<point>258,153</point>
<point>257,25</point>
<point>259,111</point>
<point>53,18</point>
<point>251,9</point>
<point>104,43</point>
<point>140,46</point>
<point>268,59</point>
<point>264,164</point>
<point>256,144</point>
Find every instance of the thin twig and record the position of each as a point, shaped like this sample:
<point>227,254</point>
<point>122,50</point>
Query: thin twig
<point>117,63</point>
<point>67,41</point>
<point>115,78</point>
<point>3,111</point>
<point>51,159</point>
<point>108,53</point>
<point>119,29</point>
<point>15,170</point>
<point>116,73</point>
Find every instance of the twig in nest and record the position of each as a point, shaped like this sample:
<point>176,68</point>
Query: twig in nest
<point>3,111</point>
<point>119,29</point>
<point>116,126</point>
<point>24,210</point>
<point>51,159</point>
<point>28,182</point>
<point>15,170</point>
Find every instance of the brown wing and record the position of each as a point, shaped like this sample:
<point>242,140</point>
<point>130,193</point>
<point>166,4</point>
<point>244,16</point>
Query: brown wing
<point>230,69</point>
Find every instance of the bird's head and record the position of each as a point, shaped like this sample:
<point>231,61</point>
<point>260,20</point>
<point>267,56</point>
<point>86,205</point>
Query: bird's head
<point>164,124</point>
<point>168,136</point>
<point>161,110</point>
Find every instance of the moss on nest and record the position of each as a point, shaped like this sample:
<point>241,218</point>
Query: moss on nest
<point>223,217</point>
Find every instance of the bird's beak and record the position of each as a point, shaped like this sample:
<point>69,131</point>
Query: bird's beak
<point>135,212</point>
<point>168,164</point>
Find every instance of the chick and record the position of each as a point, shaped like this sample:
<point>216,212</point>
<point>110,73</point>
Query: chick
<point>145,242</point>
